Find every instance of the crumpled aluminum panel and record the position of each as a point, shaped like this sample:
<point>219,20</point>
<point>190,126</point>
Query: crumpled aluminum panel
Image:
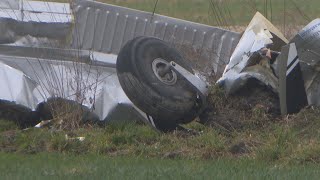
<point>31,81</point>
<point>106,28</point>
<point>10,4</point>
<point>259,33</point>
<point>16,86</point>
<point>308,46</point>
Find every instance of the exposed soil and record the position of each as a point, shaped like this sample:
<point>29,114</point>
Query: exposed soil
<point>254,105</point>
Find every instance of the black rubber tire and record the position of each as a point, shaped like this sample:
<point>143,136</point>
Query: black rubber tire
<point>167,104</point>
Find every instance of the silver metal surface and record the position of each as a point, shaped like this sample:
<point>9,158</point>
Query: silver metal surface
<point>106,28</point>
<point>161,69</point>
<point>200,86</point>
<point>47,51</point>
<point>16,86</point>
<point>35,11</point>
<point>282,66</point>
<point>35,24</point>
<point>10,4</point>
<point>308,45</point>
<point>244,64</point>
<point>30,81</point>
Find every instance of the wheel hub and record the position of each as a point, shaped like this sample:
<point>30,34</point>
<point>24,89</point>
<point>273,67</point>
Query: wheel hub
<point>161,69</point>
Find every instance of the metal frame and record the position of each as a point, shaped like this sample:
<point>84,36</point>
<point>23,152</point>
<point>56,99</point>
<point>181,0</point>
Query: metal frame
<point>196,83</point>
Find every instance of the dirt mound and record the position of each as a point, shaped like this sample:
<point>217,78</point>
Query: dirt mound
<point>254,106</point>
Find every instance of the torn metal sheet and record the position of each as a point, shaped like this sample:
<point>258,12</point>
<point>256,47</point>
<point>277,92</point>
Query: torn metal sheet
<point>307,43</point>
<point>96,87</point>
<point>16,86</point>
<point>291,85</point>
<point>298,70</point>
<point>294,75</point>
<point>246,62</point>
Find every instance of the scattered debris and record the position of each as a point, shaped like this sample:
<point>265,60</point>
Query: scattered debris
<point>288,68</point>
<point>307,43</point>
<point>97,65</point>
<point>43,124</point>
<point>75,138</point>
<point>248,60</point>
<point>78,63</point>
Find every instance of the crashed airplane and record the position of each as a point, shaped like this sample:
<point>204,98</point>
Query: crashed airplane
<point>69,51</point>
<point>121,64</point>
<point>289,68</point>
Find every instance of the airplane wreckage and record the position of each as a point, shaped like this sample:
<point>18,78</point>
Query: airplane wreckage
<point>120,63</point>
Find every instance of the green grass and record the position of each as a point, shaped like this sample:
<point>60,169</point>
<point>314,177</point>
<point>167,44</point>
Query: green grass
<point>262,147</point>
<point>294,140</point>
<point>6,125</point>
<point>61,166</point>
<point>241,11</point>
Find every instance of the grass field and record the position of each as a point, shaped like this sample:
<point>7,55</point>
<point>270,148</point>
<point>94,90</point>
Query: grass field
<point>256,147</point>
<point>293,140</point>
<point>232,12</point>
<point>60,166</point>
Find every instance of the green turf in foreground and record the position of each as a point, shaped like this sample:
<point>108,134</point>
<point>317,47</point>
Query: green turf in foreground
<point>59,166</point>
